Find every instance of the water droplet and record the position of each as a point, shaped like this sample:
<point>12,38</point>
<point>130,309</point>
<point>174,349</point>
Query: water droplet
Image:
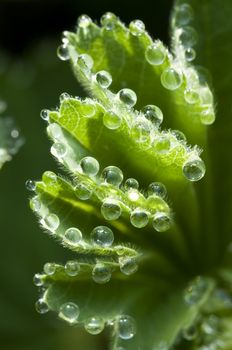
<point>207,116</point>
<point>103,78</point>
<point>126,327</point>
<point>54,131</point>
<point>128,97</point>
<point>58,150</point>
<point>108,21</point>
<point>37,280</point>
<point>171,79</point>
<point>139,218</point>
<point>64,96</point>
<point>179,135</point>
<point>87,109</point>
<point>137,27</point>
<point>140,130</point>
<point>128,265</point>
<point>162,144</point>
<point>158,189</point>
<point>161,222</point>
<point>49,178</point>
<point>90,166</point>
<point>196,290</point>
<point>194,169</point>
<point>94,325</point>
<point>41,307</point>
<point>190,333</point>
<point>63,52</point>
<point>72,268</point>
<point>210,326</point>
<point>111,209</point>
<point>156,53</point>
<point>111,120</point>
<point>30,185</point>
<point>69,312</point>
<point>49,268</point>
<point>133,195</point>
<point>35,204</point>
<point>112,175</point>
<point>102,236</point>
<point>184,14</point>
<point>44,114</point>
<point>85,62</point>
<point>84,21</point>
<point>191,96</point>
<point>73,235</point>
<point>190,54</point>
<point>131,184</point>
<point>51,222</point>
<point>83,191</point>
<point>154,114</point>
<point>188,37</point>
<point>101,273</point>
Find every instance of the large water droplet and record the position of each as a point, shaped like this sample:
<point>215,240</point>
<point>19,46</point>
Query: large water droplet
<point>58,150</point>
<point>158,189</point>
<point>90,166</point>
<point>183,15</point>
<point>128,97</point>
<point>207,116</point>
<point>111,209</point>
<point>41,307</point>
<point>128,265</point>
<point>188,37</point>
<point>103,78</point>
<point>140,130</point>
<point>111,120</point>
<point>137,27</point>
<point>131,184</point>
<point>87,109</point>
<point>73,235</point>
<point>49,178</point>
<point>72,268</point>
<point>94,325</point>
<point>154,114</point>
<point>191,96</point>
<point>171,79</point>
<point>161,222</point>
<point>139,218</point>
<point>44,114</point>
<point>112,175</point>
<point>30,185</point>
<point>102,236</point>
<point>155,54</point>
<point>49,268</point>
<point>83,191</point>
<point>126,327</point>
<point>194,169</point>
<point>85,62</point>
<point>51,222</point>
<point>63,52</point>
<point>69,312</point>
<point>101,273</point>
<point>84,21</point>
<point>108,21</point>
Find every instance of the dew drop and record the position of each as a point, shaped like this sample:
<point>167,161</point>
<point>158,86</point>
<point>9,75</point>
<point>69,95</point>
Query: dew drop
<point>128,97</point>
<point>35,204</point>
<point>51,221</point>
<point>54,131</point>
<point>190,54</point>
<point>188,37</point>
<point>85,62</point>
<point>190,333</point>
<point>111,209</point>
<point>155,54</point>
<point>84,21</point>
<point>94,325</point>
<point>111,120</point>
<point>158,189</point>
<point>131,184</point>
<point>195,290</point>
<point>44,114</point>
<point>103,78</point>
<point>72,268</point>
<point>171,79</point>
<point>58,150</point>
<point>102,236</point>
<point>30,185</point>
<point>128,265</point>
<point>161,222</point>
<point>137,27</point>
<point>87,109</point>
<point>154,114</point>
<point>140,130</point>
<point>41,307</point>
<point>194,169</point>
<point>162,144</point>
<point>90,166</point>
<point>133,195</point>
<point>108,21</point>
<point>179,135</point>
<point>139,218</point>
<point>49,268</point>
<point>63,52</point>
<point>49,178</point>
<point>73,235</point>
<point>126,327</point>
<point>207,116</point>
<point>83,191</point>
<point>191,96</point>
<point>112,175</point>
<point>64,96</point>
<point>37,280</point>
<point>210,326</point>
<point>101,273</point>
<point>69,312</point>
<point>184,14</point>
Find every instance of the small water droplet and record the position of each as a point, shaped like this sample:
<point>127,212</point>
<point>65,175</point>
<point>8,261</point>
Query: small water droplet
<point>85,62</point>
<point>128,265</point>
<point>49,178</point>
<point>72,268</point>
<point>51,222</point>
<point>131,184</point>
<point>90,166</point>
<point>190,333</point>
<point>103,78</point>
<point>108,21</point>
<point>111,209</point>
<point>188,37</point>
<point>194,169</point>
<point>35,204</point>
<point>49,268</point>
<point>190,54</point>
<point>156,53</point>
<point>87,109</point>
<point>207,116</point>
<point>171,79</point>
<point>41,307</point>
<point>101,273</point>
<point>37,280</point>
<point>112,175</point>
<point>102,236</point>
<point>94,325</point>
<point>126,327</point>
<point>54,131</point>
<point>154,114</point>
<point>58,150</point>
<point>128,97</point>
<point>184,14</point>
<point>191,96</point>
<point>158,189</point>
<point>64,96</point>
<point>162,144</point>
<point>84,21</point>
<point>83,191</point>
<point>63,52</point>
<point>139,218</point>
<point>140,130</point>
<point>73,235</point>
<point>133,195</point>
<point>44,114</point>
<point>195,290</point>
<point>179,135</point>
<point>161,222</point>
<point>137,27</point>
<point>30,185</point>
<point>111,120</point>
<point>69,312</point>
